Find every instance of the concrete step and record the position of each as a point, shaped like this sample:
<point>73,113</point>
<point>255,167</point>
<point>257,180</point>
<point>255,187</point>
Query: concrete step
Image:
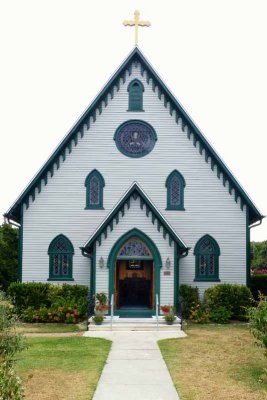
<point>134,324</point>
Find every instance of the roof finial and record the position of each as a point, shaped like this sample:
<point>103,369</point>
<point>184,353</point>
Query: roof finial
<point>136,23</point>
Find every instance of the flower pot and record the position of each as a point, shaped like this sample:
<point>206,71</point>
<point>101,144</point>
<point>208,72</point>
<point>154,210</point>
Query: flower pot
<point>169,322</point>
<point>98,323</point>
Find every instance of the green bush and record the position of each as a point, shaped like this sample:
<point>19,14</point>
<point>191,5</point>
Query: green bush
<point>189,296</point>
<point>69,313</point>
<point>258,321</point>
<point>235,298</point>
<point>199,314</point>
<point>258,284</point>
<point>10,344</point>
<point>221,315</point>
<point>39,295</point>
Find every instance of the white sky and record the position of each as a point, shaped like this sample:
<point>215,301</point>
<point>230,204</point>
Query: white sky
<point>57,54</point>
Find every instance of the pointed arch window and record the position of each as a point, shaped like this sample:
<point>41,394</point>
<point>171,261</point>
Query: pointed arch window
<point>207,252</point>
<point>135,89</point>
<point>175,185</point>
<point>94,190</point>
<point>60,253</point>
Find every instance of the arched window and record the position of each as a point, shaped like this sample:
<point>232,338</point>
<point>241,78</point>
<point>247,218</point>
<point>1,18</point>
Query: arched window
<point>135,89</point>
<point>207,253</point>
<point>175,185</point>
<point>94,190</point>
<point>60,259</point>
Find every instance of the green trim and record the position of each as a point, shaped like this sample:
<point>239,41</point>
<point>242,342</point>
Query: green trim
<point>135,121</point>
<point>248,251</point>
<point>60,279</point>
<point>174,108</point>
<point>51,252</point>
<point>87,183</point>
<point>154,251</point>
<point>134,192</point>
<point>176,277</point>
<point>198,253</point>
<point>20,245</point>
<point>135,98</point>
<point>135,313</point>
<point>168,186</point>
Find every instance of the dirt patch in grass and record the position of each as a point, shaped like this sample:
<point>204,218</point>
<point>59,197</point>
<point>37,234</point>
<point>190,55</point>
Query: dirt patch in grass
<point>216,363</point>
<point>62,368</point>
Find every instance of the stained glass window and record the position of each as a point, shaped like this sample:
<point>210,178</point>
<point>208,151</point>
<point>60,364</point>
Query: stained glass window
<point>175,184</point>
<point>60,254</point>
<point>134,247</point>
<point>135,138</point>
<point>207,253</point>
<point>135,90</point>
<point>94,190</point>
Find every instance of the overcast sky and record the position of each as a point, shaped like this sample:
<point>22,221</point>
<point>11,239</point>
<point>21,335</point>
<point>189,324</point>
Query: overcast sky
<point>57,54</point>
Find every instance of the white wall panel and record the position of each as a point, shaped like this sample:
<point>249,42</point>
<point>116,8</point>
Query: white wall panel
<point>60,207</point>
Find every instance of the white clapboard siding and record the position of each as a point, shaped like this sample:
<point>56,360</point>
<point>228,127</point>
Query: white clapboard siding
<point>60,207</point>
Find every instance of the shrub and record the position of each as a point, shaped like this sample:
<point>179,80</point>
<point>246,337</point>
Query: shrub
<point>258,283</point>
<point>189,296</point>
<point>235,298</point>
<point>221,315</point>
<point>69,313</point>
<point>258,321</point>
<point>198,314</point>
<point>10,344</point>
<point>38,295</point>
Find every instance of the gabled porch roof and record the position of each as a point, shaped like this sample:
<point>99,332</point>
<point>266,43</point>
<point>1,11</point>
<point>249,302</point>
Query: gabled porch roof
<point>119,210</point>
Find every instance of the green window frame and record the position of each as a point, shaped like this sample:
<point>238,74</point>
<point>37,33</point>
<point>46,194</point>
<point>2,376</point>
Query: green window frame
<point>135,89</point>
<point>175,185</point>
<point>207,252</point>
<point>94,184</point>
<point>60,253</point>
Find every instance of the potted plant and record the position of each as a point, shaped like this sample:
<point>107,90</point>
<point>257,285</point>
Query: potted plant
<point>98,319</point>
<point>166,309</point>
<point>170,318</point>
<point>101,309</point>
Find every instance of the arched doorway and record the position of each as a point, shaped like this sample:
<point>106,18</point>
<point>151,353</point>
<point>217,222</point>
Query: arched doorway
<point>134,274</point>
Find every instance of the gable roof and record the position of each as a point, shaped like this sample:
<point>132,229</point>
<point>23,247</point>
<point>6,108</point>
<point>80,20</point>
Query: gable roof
<point>89,116</point>
<point>134,191</point>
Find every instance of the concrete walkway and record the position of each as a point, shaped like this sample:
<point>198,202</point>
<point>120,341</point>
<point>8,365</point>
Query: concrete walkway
<point>135,368</point>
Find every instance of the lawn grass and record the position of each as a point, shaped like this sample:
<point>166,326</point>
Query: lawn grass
<point>216,363</point>
<point>64,368</point>
<point>50,328</point>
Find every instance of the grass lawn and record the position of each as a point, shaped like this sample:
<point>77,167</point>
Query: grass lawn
<point>62,368</point>
<point>50,328</point>
<point>216,363</point>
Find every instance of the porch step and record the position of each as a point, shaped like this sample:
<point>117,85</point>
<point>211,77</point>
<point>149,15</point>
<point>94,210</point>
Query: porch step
<point>134,324</point>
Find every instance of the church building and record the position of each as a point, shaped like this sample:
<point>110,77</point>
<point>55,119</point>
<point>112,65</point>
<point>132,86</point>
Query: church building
<point>135,201</point>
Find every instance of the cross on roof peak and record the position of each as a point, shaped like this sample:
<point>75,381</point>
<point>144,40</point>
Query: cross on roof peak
<point>136,23</point>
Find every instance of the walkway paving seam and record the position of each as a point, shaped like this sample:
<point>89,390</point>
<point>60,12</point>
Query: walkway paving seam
<point>135,368</point>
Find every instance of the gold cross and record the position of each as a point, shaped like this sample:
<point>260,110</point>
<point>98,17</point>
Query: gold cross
<point>136,23</point>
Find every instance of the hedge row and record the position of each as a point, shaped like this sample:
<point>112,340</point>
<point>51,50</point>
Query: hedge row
<point>234,298</point>
<point>37,295</point>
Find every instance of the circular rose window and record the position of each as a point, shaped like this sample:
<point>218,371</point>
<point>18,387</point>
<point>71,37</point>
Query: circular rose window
<point>135,138</point>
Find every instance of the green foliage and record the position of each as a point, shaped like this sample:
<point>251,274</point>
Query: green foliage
<point>259,259</point>
<point>10,344</point>
<point>221,315</point>
<point>198,314</point>
<point>258,284</point>
<point>102,298</point>
<point>98,319</point>
<point>189,296</point>
<point>68,313</point>
<point>170,317</point>
<point>9,237</point>
<point>38,295</point>
<point>235,298</point>
<point>258,321</point>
